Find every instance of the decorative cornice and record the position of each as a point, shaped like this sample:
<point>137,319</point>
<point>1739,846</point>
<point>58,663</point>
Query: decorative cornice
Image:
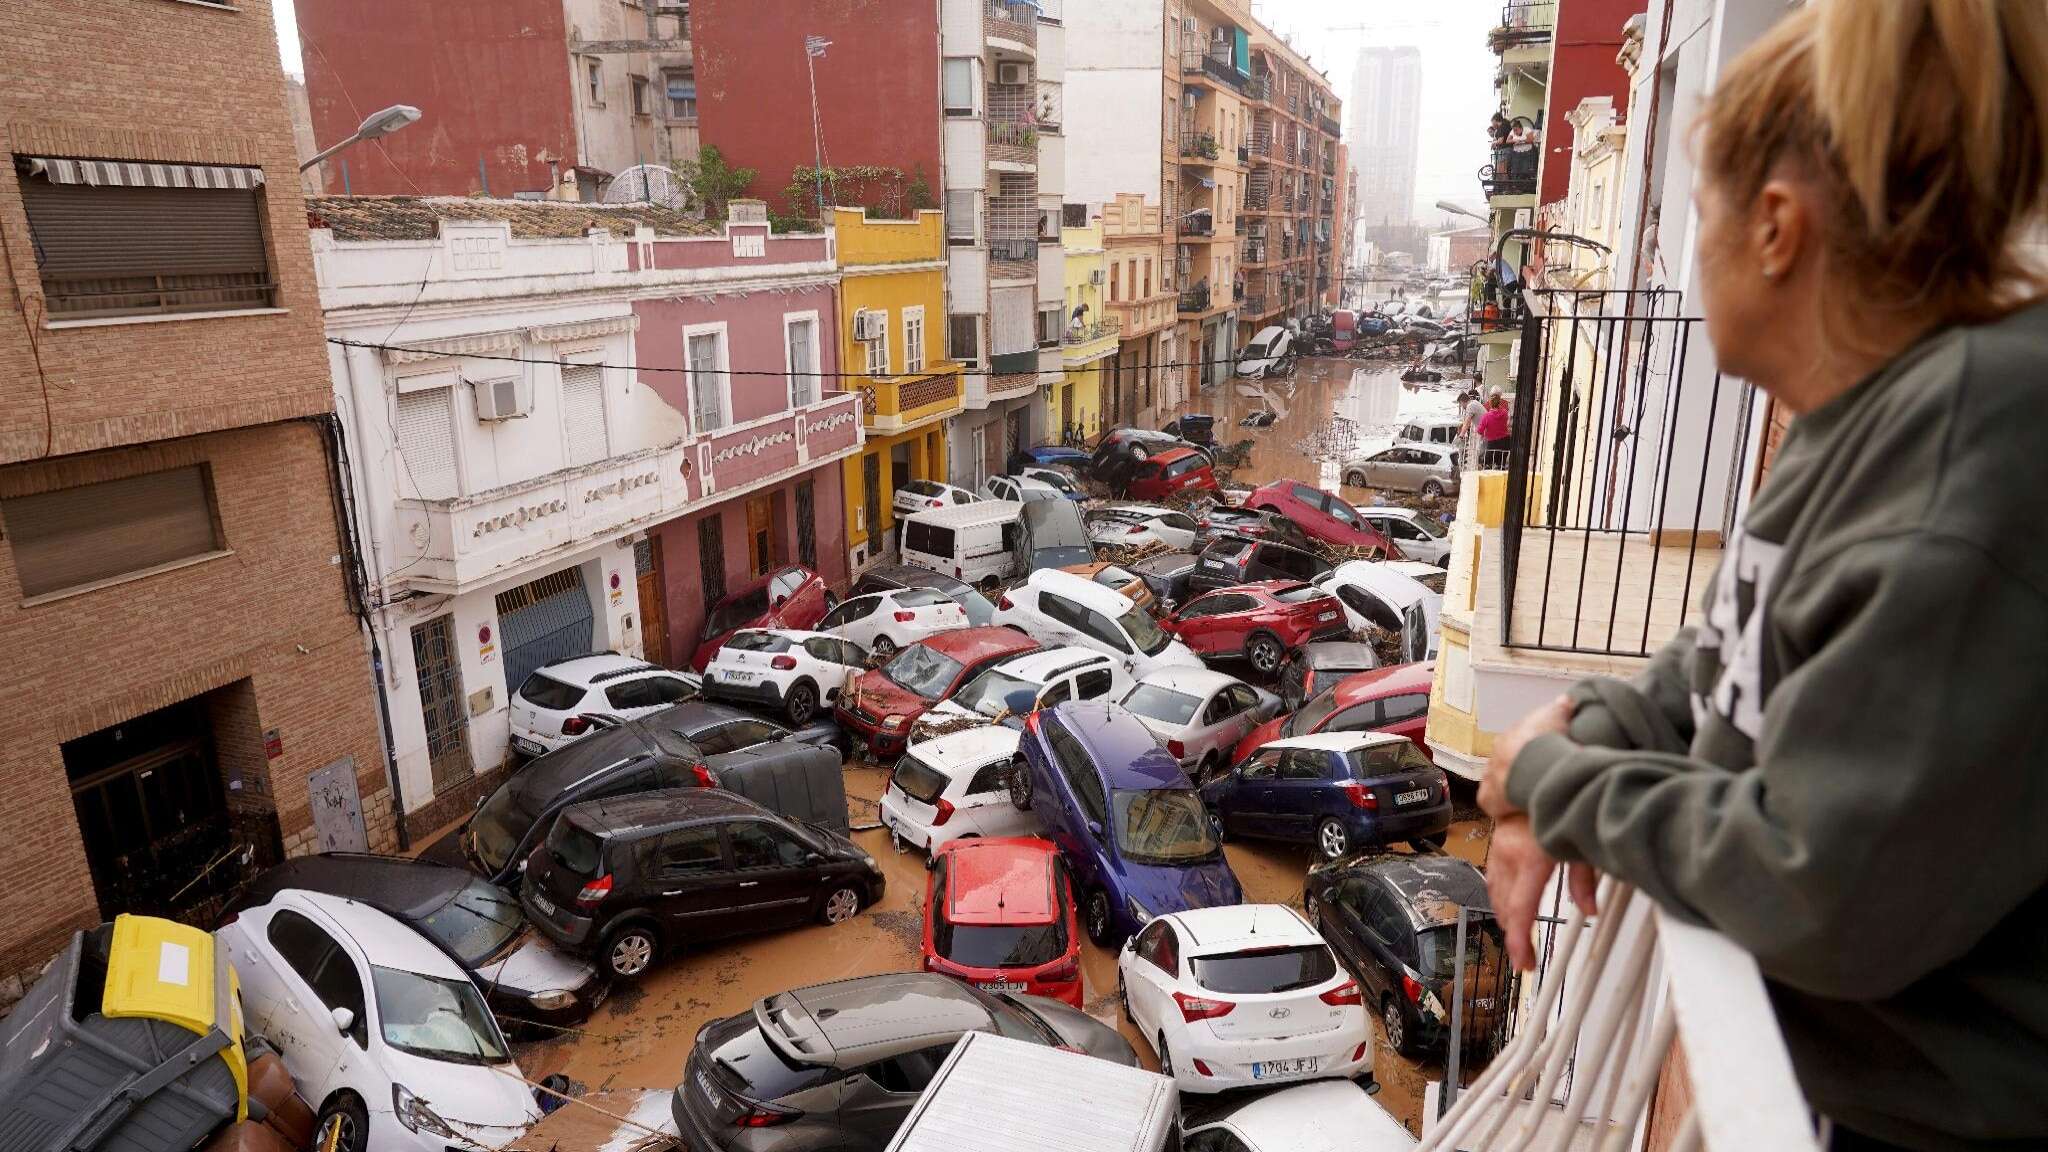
<point>583,329</point>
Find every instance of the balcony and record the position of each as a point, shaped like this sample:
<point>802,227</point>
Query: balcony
<point>902,402</point>
<point>1195,300</point>
<point>1136,318</point>
<point>1511,174</point>
<point>1254,307</point>
<point>1010,24</point>
<point>1523,23</point>
<point>1330,127</point>
<point>1088,343</point>
<point>1259,87</point>
<point>1200,222</point>
<point>1207,66</point>
<point>1200,146</point>
<point>1013,258</point>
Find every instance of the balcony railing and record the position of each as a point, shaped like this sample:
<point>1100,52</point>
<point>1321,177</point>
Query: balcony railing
<point>1329,126</point>
<point>1202,145</point>
<point>1216,68</point>
<point>892,403</point>
<point>1013,141</point>
<point>1089,333</point>
<point>1140,317</point>
<point>1259,87</point>
<point>1012,21</point>
<point>1198,223</point>
<point>1254,306</point>
<point>1195,300</point>
<point>1509,175</point>
<point>1050,110</point>
<point>1524,22</point>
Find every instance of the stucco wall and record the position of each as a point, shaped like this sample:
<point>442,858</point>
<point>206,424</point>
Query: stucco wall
<point>1582,64</point>
<point>754,343</point>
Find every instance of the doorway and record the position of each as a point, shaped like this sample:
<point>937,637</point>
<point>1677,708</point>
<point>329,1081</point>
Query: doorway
<point>760,535</point>
<point>899,467</point>
<point>440,677</point>
<point>152,812</point>
<point>653,603</point>
<point>871,498</point>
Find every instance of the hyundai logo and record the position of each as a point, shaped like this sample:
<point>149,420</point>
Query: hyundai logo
<point>1280,1013</point>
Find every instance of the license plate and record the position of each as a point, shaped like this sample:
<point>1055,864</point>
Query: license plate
<point>1295,1067</point>
<point>528,746</point>
<point>1212,563</point>
<point>1001,986</point>
<point>737,676</point>
<point>544,904</point>
<point>1415,797</point>
<point>1327,617</point>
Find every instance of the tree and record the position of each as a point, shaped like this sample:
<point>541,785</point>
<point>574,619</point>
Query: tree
<point>714,182</point>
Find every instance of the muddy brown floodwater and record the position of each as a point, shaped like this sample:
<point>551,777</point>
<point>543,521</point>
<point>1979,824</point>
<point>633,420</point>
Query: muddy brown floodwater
<point>640,1036</point>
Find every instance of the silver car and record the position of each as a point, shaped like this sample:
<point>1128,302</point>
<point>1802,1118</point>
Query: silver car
<point>1431,469</point>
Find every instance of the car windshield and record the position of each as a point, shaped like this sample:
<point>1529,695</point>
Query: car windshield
<point>1430,527</point>
<point>502,820</point>
<point>1060,557</point>
<point>476,923</point>
<point>757,642</point>
<point>1164,826</point>
<point>1144,631</point>
<point>437,1018</point>
<point>979,610</point>
<point>734,613</point>
<point>544,691</point>
<point>1313,713</point>
<point>1259,971</point>
<point>995,690</point>
<point>999,945</point>
<point>918,780</point>
<point>1345,512</point>
<point>1057,481</point>
<point>1157,702</point>
<point>923,671</point>
<point>1114,577</point>
<point>1437,948</point>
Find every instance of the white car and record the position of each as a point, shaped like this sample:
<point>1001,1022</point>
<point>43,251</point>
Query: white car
<point>1243,996</point>
<point>1200,715</point>
<point>955,786</point>
<point>1431,469</point>
<point>796,673</point>
<point>1062,480</point>
<point>1374,592</point>
<point>1430,576</point>
<point>1021,489</point>
<point>1430,430</point>
<point>1059,608</point>
<point>376,1025</point>
<point>1418,535</point>
<point>884,622</point>
<point>924,495</point>
<point>553,705</point>
<point>1126,525</point>
<point>1022,684</point>
<point>1329,1116</point>
<point>1265,351</point>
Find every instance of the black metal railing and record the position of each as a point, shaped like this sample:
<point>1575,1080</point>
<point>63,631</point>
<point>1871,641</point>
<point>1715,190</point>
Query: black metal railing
<point>1508,175</point>
<point>1525,22</point>
<point>1195,300</point>
<point>1624,465</point>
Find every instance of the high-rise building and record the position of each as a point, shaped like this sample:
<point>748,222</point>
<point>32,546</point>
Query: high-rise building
<point>1385,134</point>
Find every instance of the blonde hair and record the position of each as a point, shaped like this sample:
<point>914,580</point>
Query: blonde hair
<point>1924,125</point>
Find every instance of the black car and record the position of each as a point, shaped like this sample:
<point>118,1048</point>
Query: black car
<point>890,577</point>
<point>1166,574</point>
<point>1394,921</point>
<point>1221,520</point>
<point>631,877</point>
<point>524,978</point>
<point>1234,560</point>
<point>1313,667</point>
<point>1051,534</point>
<point>1196,428</point>
<point>691,744</point>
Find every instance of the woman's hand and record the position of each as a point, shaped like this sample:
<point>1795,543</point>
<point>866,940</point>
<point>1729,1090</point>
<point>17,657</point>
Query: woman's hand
<point>1517,872</point>
<point>1555,716</point>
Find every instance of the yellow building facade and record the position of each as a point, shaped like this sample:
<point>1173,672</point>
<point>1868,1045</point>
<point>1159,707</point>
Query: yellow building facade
<point>892,327</point>
<point>1089,337</point>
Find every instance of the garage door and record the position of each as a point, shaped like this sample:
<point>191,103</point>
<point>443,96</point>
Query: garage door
<point>541,622</point>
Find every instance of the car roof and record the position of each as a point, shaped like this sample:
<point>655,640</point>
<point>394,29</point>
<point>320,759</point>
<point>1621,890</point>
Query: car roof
<point>1121,745</point>
<point>760,582</point>
<point>1433,886</point>
<point>688,716</point>
<point>1375,575</point>
<point>661,808</point>
<point>872,1017</point>
<point>1208,931</point>
<point>1172,561</point>
<point>1434,449</point>
<point>384,939</point>
<point>1388,681</point>
<point>1004,881</point>
<point>1339,654</point>
<point>1336,741</point>
<point>1393,510</point>
<point>1175,455</point>
<point>912,576</point>
<point>1268,330</point>
<point>797,635</point>
<point>1321,1116</point>
<point>1146,511</point>
<point>1080,589</point>
<point>967,515</point>
<point>1025,483</point>
<point>970,749</point>
<point>1196,681</point>
<point>1046,663</point>
<point>411,888</point>
<point>587,670</point>
<point>973,645</point>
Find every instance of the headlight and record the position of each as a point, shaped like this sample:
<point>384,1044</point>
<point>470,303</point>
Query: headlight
<point>869,860</point>
<point>552,999</point>
<point>416,1116</point>
<point>1137,910</point>
<point>894,722</point>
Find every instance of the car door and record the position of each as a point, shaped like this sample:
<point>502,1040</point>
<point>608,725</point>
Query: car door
<point>630,699</point>
<point>1060,619</point>
<point>1197,619</point>
<point>690,883</point>
<point>1088,817</point>
<point>1094,683</point>
<point>1248,804</point>
<point>1307,509</point>
<point>317,975</point>
<point>1214,726</point>
<point>985,807</point>
<point>875,1098</point>
<point>853,620</point>
<point>774,876</point>
<point>1105,635</point>
<point>1405,714</point>
<point>1242,717</point>
<point>1153,976</point>
<point>1362,906</point>
<point>833,663</point>
<point>1382,469</point>
<point>1300,793</point>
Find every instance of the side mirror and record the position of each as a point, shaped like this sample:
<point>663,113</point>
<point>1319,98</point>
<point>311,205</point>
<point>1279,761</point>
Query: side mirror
<point>344,1019</point>
<point>812,858</point>
<point>1095,829</point>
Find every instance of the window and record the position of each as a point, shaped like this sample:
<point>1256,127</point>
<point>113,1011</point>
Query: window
<point>583,413</point>
<point>652,692</point>
<point>957,76</point>
<point>687,850</point>
<point>913,340</point>
<point>990,779</point>
<point>960,208</point>
<point>642,103</point>
<point>121,246</point>
<point>1093,684</point>
<point>734,736</point>
<point>593,72</point>
<point>1114,277</point>
<point>878,348</point>
<point>711,558</point>
<point>681,88</point>
<point>707,379</point>
<point>1080,773</point>
<point>1405,707</point>
<point>757,845</point>
<point>1049,326</point>
<point>800,344</point>
<point>1073,215</point>
<point>963,339</point>
<point>1304,764</point>
<point>1148,275</point>
<point>74,537</point>
<point>326,969</point>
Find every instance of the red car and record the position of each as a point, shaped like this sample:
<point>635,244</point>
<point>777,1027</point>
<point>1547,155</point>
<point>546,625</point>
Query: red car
<point>999,914</point>
<point>1174,470</point>
<point>886,701</point>
<point>1259,621</point>
<point>1323,516</point>
<point>1391,699</point>
<point>792,597</point>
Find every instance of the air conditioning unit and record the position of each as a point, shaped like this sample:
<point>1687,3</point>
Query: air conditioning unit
<point>868,326</point>
<point>1096,278</point>
<point>1013,74</point>
<point>506,399</point>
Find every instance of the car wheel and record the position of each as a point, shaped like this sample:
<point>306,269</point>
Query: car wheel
<point>1396,1025</point>
<point>1203,767</point>
<point>1123,997</point>
<point>1165,1057</point>
<point>1332,840</point>
<point>1216,823</point>
<point>1020,784</point>
<point>1312,908</point>
<point>840,906</point>
<point>1432,489</point>
<point>344,1108</point>
<point>1355,479</point>
<point>1140,453</point>
<point>1096,919</point>
<point>1432,842</point>
<point>630,951</point>
<point>882,649</point>
<point>801,704</point>
<point>1265,653</point>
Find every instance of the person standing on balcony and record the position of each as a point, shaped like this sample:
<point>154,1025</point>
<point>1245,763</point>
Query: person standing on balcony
<point>1494,431</point>
<point>1843,765</point>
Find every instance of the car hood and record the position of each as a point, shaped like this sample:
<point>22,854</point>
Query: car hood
<point>880,696</point>
<point>1080,1031</point>
<point>491,1106</point>
<point>1210,884</point>
<point>1176,654</point>
<point>533,965</point>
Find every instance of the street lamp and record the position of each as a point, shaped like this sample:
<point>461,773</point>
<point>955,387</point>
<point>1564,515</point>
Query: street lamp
<point>375,126</point>
<point>1459,210</point>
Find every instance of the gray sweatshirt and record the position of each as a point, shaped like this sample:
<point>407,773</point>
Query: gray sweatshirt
<point>1844,765</point>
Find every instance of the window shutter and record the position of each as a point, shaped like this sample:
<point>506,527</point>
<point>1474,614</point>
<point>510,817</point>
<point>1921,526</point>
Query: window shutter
<point>75,536</point>
<point>113,249</point>
<point>583,413</point>
<point>426,443</point>
<point>1016,312</point>
<point>803,386</point>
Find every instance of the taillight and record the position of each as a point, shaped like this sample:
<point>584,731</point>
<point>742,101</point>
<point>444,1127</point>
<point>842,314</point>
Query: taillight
<point>1411,988</point>
<point>1193,1008</point>
<point>588,896</point>
<point>764,1116</point>
<point>944,812</point>
<point>1136,530</point>
<point>1069,969</point>
<point>1359,1053</point>
<point>1202,1069</point>
<point>935,503</point>
<point>1361,796</point>
<point>1346,994</point>
<point>1003,602</point>
<point>783,663</point>
<point>575,726</point>
<point>1176,749</point>
<point>704,777</point>
<point>905,617</point>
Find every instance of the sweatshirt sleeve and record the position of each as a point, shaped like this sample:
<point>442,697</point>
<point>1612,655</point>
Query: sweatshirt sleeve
<point>1652,713</point>
<point>1912,728</point>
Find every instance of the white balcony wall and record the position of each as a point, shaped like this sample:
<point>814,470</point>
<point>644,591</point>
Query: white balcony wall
<point>966,143</point>
<point>960,27</point>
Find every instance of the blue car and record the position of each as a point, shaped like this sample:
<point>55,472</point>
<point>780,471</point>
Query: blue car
<point>1065,454</point>
<point>1135,835</point>
<point>1336,790</point>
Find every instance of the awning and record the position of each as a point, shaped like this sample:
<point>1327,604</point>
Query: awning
<point>682,89</point>
<point>1205,182</point>
<point>135,174</point>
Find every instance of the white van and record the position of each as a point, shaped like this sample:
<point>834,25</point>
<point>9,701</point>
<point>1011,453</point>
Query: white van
<point>995,1094</point>
<point>969,542</point>
<point>1265,351</point>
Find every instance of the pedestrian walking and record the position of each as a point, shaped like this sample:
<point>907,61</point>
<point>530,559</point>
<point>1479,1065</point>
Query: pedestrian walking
<point>1840,765</point>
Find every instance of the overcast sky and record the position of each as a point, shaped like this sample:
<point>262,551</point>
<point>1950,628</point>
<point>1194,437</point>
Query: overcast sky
<point>1457,73</point>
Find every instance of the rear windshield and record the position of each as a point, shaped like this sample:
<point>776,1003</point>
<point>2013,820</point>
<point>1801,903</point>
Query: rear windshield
<point>1163,704</point>
<point>1438,947</point>
<point>1430,527</point>
<point>923,488</point>
<point>995,690</point>
<point>923,671</point>
<point>744,610</point>
<point>1114,577</point>
<point>758,642</point>
<point>1227,550</point>
<point>1264,970</point>
<point>750,1066</point>
<point>1056,480</point>
<point>1387,760</point>
<point>476,923</point>
<point>1300,594</point>
<point>918,780</point>
<point>575,848</point>
<point>1000,945</point>
<point>928,539</point>
<point>1314,712</point>
<point>921,598</point>
<point>543,691</point>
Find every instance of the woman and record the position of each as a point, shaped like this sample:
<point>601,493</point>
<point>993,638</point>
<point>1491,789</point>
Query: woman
<point>1494,432</point>
<point>1844,765</point>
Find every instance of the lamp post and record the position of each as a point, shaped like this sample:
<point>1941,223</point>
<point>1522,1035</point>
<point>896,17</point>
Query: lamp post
<point>1460,210</point>
<point>814,47</point>
<point>375,126</point>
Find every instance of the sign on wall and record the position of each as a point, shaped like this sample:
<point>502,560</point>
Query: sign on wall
<point>338,807</point>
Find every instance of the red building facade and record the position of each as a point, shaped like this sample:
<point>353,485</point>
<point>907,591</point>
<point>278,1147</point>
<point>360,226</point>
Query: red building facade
<point>1582,64</point>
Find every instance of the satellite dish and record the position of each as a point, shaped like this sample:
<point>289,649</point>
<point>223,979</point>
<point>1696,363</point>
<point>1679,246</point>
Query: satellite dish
<point>647,184</point>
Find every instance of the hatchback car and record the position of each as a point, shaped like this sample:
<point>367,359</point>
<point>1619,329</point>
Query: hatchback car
<point>1326,1116</point>
<point>1121,447</point>
<point>794,673</point>
<point>1010,689</point>
<point>630,878</point>
<point>1313,667</point>
<point>525,979</point>
<point>839,1066</point>
<point>1063,455</point>
<point>1243,997</point>
<point>885,702</point>
<point>1117,578</point>
<point>1324,517</point>
<point>921,495</point>
<point>556,704</point>
<point>1166,473</point>
<point>1021,489</point>
<point>1133,525</point>
<point>1430,469</point>
<point>1058,608</point>
<point>1219,520</point>
<point>883,622</point>
<point>1418,535</point>
<point>1199,715</point>
<point>1394,921</point>
<point>999,914</point>
<point>1374,593</point>
<point>1233,560</point>
<point>1123,813</point>
<point>383,1034</point>
<point>952,787</point>
<point>1339,791</point>
<point>1390,699</point>
<point>886,577</point>
<point>1257,622</point>
<point>1051,535</point>
<point>791,597</point>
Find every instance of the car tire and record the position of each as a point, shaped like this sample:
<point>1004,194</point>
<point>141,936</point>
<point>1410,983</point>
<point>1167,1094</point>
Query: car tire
<point>1204,767</point>
<point>882,650</point>
<point>631,950</point>
<point>1312,910</point>
<point>840,905</point>
<point>1399,1035</point>
<point>1098,919</point>
<point>1333,841</point>
<point>355,1122</point>
<point>801,704</point>
<point>1123,998</point>
<point>1020,784</point>
<point>1216,824</point>
<point>1432,489</point>
<point>1140,453</point>
<point>1434,842</point>
<point>1265,653</point>
<point>1355,479</point>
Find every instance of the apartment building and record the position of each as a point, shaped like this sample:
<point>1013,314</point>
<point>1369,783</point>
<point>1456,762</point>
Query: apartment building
<point>1293,247</point>
<point>175,599</point>
<point>1386,131</point>
<point>518,98</point>
<point>1090,339</point>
